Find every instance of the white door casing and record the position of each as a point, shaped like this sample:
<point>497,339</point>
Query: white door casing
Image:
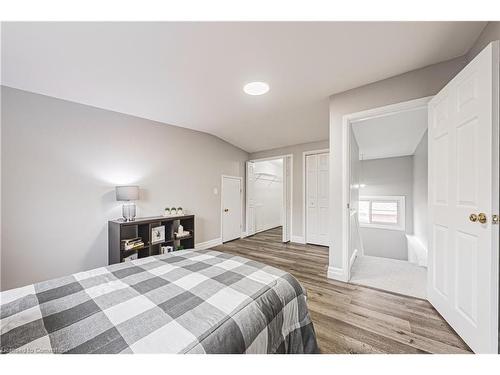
<point>231,208</point>
<point>250,206</point>
<point>317,202</point>
<point>463,180</point>
<point>287,198</point>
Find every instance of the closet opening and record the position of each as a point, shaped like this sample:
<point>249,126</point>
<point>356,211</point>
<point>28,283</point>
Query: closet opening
<point>269,195</point>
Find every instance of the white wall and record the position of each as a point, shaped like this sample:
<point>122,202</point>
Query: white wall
<point>60,163</point>
<point>412,85</point>
<point>388,176</point>
<point>297,183</point>
<point>268,194</point>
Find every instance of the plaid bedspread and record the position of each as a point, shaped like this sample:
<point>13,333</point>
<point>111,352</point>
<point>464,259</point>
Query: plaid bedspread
<point>199,301</point>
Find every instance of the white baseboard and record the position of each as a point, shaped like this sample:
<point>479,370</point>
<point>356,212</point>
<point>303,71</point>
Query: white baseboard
<point>336,274</point>
<point>353,257</point>
<point>298,239</point>
<point>244,234</point>
<point>208,244</point>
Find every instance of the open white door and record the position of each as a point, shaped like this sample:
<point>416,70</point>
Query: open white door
<point>287,198</point>
<point>250,206</point>
<point>463,182</point>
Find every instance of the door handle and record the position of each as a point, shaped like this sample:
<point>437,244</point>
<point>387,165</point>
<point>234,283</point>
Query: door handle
<point>226,209</point>
<point>481,218</point>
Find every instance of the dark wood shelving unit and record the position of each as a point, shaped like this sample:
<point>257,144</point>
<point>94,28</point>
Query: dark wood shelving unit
<point>119,230</point>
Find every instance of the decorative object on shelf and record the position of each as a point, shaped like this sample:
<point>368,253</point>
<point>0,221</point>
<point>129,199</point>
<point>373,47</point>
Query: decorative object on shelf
<point>173,211</point>
<point>130,257</point>
<point>166,249</point>
<point>132,243</point>
<point>166,212</point>
<point>128,194</point>
<point>179,211</point>
<point>181,233</point>
<point>158,234</point>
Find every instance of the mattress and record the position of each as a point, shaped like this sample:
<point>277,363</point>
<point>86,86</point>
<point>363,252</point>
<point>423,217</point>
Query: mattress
<point>189,301</point>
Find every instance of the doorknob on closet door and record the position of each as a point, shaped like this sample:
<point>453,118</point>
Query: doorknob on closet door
<point>226,209</point>
<point>473,217</point>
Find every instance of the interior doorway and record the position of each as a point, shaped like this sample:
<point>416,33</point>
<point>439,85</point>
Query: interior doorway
<point>269,195</point>
<point>463,190</point>
<point>388,183</point>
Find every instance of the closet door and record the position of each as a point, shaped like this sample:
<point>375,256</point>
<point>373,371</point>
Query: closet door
<point>323,189</point>
<point>312,199</point>
<point>317,202</point>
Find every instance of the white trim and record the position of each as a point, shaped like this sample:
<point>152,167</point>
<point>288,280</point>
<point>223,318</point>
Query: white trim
<point>208,244</point>
<point>277,157</point>
<point>297,239</point>
<point>304,155</point>
<point>244,234</point>
<point>353,258</point>
<point>336,274</point>
<point>222,200</point>
<point>347,120</point>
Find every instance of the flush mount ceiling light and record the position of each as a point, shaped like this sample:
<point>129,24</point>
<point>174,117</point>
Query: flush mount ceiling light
<point>256,88</point>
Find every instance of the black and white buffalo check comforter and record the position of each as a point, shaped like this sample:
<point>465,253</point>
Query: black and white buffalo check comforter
<point>199,301</point>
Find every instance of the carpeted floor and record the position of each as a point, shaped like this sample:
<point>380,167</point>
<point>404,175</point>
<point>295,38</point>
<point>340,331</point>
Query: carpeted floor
<point>394,275</point>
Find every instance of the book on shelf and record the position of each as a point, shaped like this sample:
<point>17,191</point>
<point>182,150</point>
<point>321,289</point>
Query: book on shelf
<point>132,243</point>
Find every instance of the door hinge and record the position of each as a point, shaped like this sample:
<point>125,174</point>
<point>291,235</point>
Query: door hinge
<point>495,219</point>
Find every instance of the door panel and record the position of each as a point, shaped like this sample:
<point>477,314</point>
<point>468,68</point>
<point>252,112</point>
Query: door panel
<point>317,190</point>
<point>463,158</point>
<point>231,208</point>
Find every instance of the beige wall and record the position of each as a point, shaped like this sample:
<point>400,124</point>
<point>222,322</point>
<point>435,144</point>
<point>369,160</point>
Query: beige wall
<point>298,203</point>
<point>60,163</point>
<point>412,85</point>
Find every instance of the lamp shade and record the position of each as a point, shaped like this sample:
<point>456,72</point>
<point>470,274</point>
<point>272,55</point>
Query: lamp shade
<point>127,193</point>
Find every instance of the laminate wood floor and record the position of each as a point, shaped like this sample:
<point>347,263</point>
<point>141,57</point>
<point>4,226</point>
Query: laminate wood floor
<point>351,318</point>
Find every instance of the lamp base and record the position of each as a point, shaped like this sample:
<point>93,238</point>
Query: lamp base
<point>129,211</point>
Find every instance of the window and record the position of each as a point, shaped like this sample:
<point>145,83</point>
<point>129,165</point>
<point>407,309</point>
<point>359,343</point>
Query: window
<point>384,212</point>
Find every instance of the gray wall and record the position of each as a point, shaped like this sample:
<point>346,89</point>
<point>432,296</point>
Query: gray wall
<point>412,85</point>
<point>489,34</point>
<point>355,240</point>
<point>388,176</point>
<point>60,163</point>
<point>298,204</point>
<point>420,189</point>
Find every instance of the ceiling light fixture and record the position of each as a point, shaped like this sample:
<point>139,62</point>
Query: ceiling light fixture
<point>256,88</point>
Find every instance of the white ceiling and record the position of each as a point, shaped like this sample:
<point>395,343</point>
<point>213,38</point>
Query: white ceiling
<point>390,136</point>
<point>191,74</point>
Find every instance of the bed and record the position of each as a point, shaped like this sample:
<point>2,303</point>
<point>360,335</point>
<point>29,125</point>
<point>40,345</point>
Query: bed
<point>189,301</point>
